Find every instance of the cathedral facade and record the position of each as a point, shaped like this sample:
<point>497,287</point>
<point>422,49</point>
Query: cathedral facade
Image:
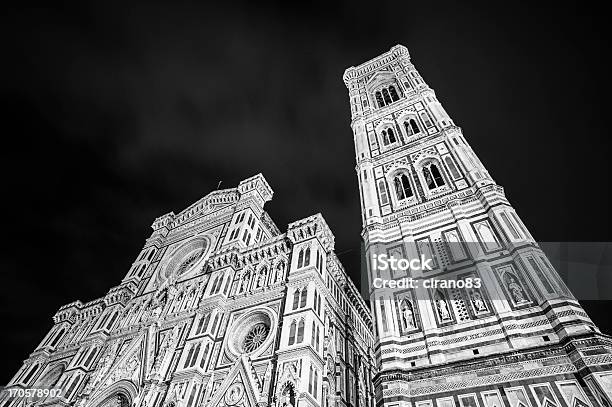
<point>219,308</point>
<point>519,338</point>
<point>222,309</point>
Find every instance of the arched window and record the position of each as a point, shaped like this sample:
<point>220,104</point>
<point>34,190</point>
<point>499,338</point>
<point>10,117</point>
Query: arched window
<point>292,330</point>
<point>214,325</point>
<point>316,384</point>
<point>392,138</point>
<point>402,187</point>
<point>313,334</point>
<point>204,355</point>
<point>385,138</point>
<point>379,99</point>
<point>393,92</point>
<point>296,298</point>
<point>301,259</point>
<point>433,177</point>
<point>300,332</point>
<point>316,295</point>
<point>196,352</point>
<point>382,192</point>
<point>386,96</point>
<point>310,379</point>
<point>200,325</point>
<point>112,321</point>
<point>71,388</point>
<point>303,298</point>
<point>213,285</point>
<point>33,370</point>
<point>307,257</point>
<point>218,284</point>
<point>411,127</point>
<point>318,341</point>
<point>188,359</point>
<point>57,337</point>
<point>91,356</point>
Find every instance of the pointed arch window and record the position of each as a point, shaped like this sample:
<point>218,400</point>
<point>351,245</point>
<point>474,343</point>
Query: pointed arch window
<point>307,257</point>
<point>379,99</point>
<point>402,187</point>
<point>385,138</point>
<point>313,334</point>
<point>292,332</point>
<point>204,356</point>
<point>393,93</point>
<point>303,297</point>
<point>433,176</point>
<point>411,127</point>
<point>300,332</point>
<point>189,355</point>
<point>91,356</point>
<point>310,379</point>
<point>33,370</point>
<point>382,192</point>
<point>296,298</point>
<point>57,337</point>
<point>214,325</point>
<point>389,136</point>
<point>386,96</point>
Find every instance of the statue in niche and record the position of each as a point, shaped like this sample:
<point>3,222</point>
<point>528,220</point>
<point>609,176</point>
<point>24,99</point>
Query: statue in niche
<point>262,279</point>
<point>479,304</point>
<point>516,291</point>
<point>407,315</point>
<point>443,309</point>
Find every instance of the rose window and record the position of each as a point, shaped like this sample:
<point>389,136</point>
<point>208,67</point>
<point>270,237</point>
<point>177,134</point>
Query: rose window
<point>255,337</point>
<point>250,333</point>
<point>189,262</point>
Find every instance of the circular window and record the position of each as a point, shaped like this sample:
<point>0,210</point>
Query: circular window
<point>189,262</point>
<point>255,337</point>
<point>250,332</point>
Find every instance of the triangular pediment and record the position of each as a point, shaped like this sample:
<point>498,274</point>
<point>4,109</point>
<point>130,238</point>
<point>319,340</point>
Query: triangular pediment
<point>129,366</point>
<point>239,389</point>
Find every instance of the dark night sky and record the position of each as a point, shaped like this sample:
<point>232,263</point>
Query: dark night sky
<point>116,114</point>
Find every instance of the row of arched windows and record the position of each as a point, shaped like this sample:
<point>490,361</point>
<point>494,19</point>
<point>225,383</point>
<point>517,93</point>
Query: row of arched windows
<point>299,298</point>
<point>411,127</point>
<point>304,257</point>
<point>56,338</point>
<point>386,96</point>
<point>105,322</point>
<point>203,324</point>
<point>296,332</point>
<point>216,284</point>
<point>402,185</point>
<point>192,356</point>
<point>89,359</point>
<point>315,337</point>
<point>313,382</point>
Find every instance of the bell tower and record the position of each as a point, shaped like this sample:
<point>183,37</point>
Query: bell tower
<point>425,194</point>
